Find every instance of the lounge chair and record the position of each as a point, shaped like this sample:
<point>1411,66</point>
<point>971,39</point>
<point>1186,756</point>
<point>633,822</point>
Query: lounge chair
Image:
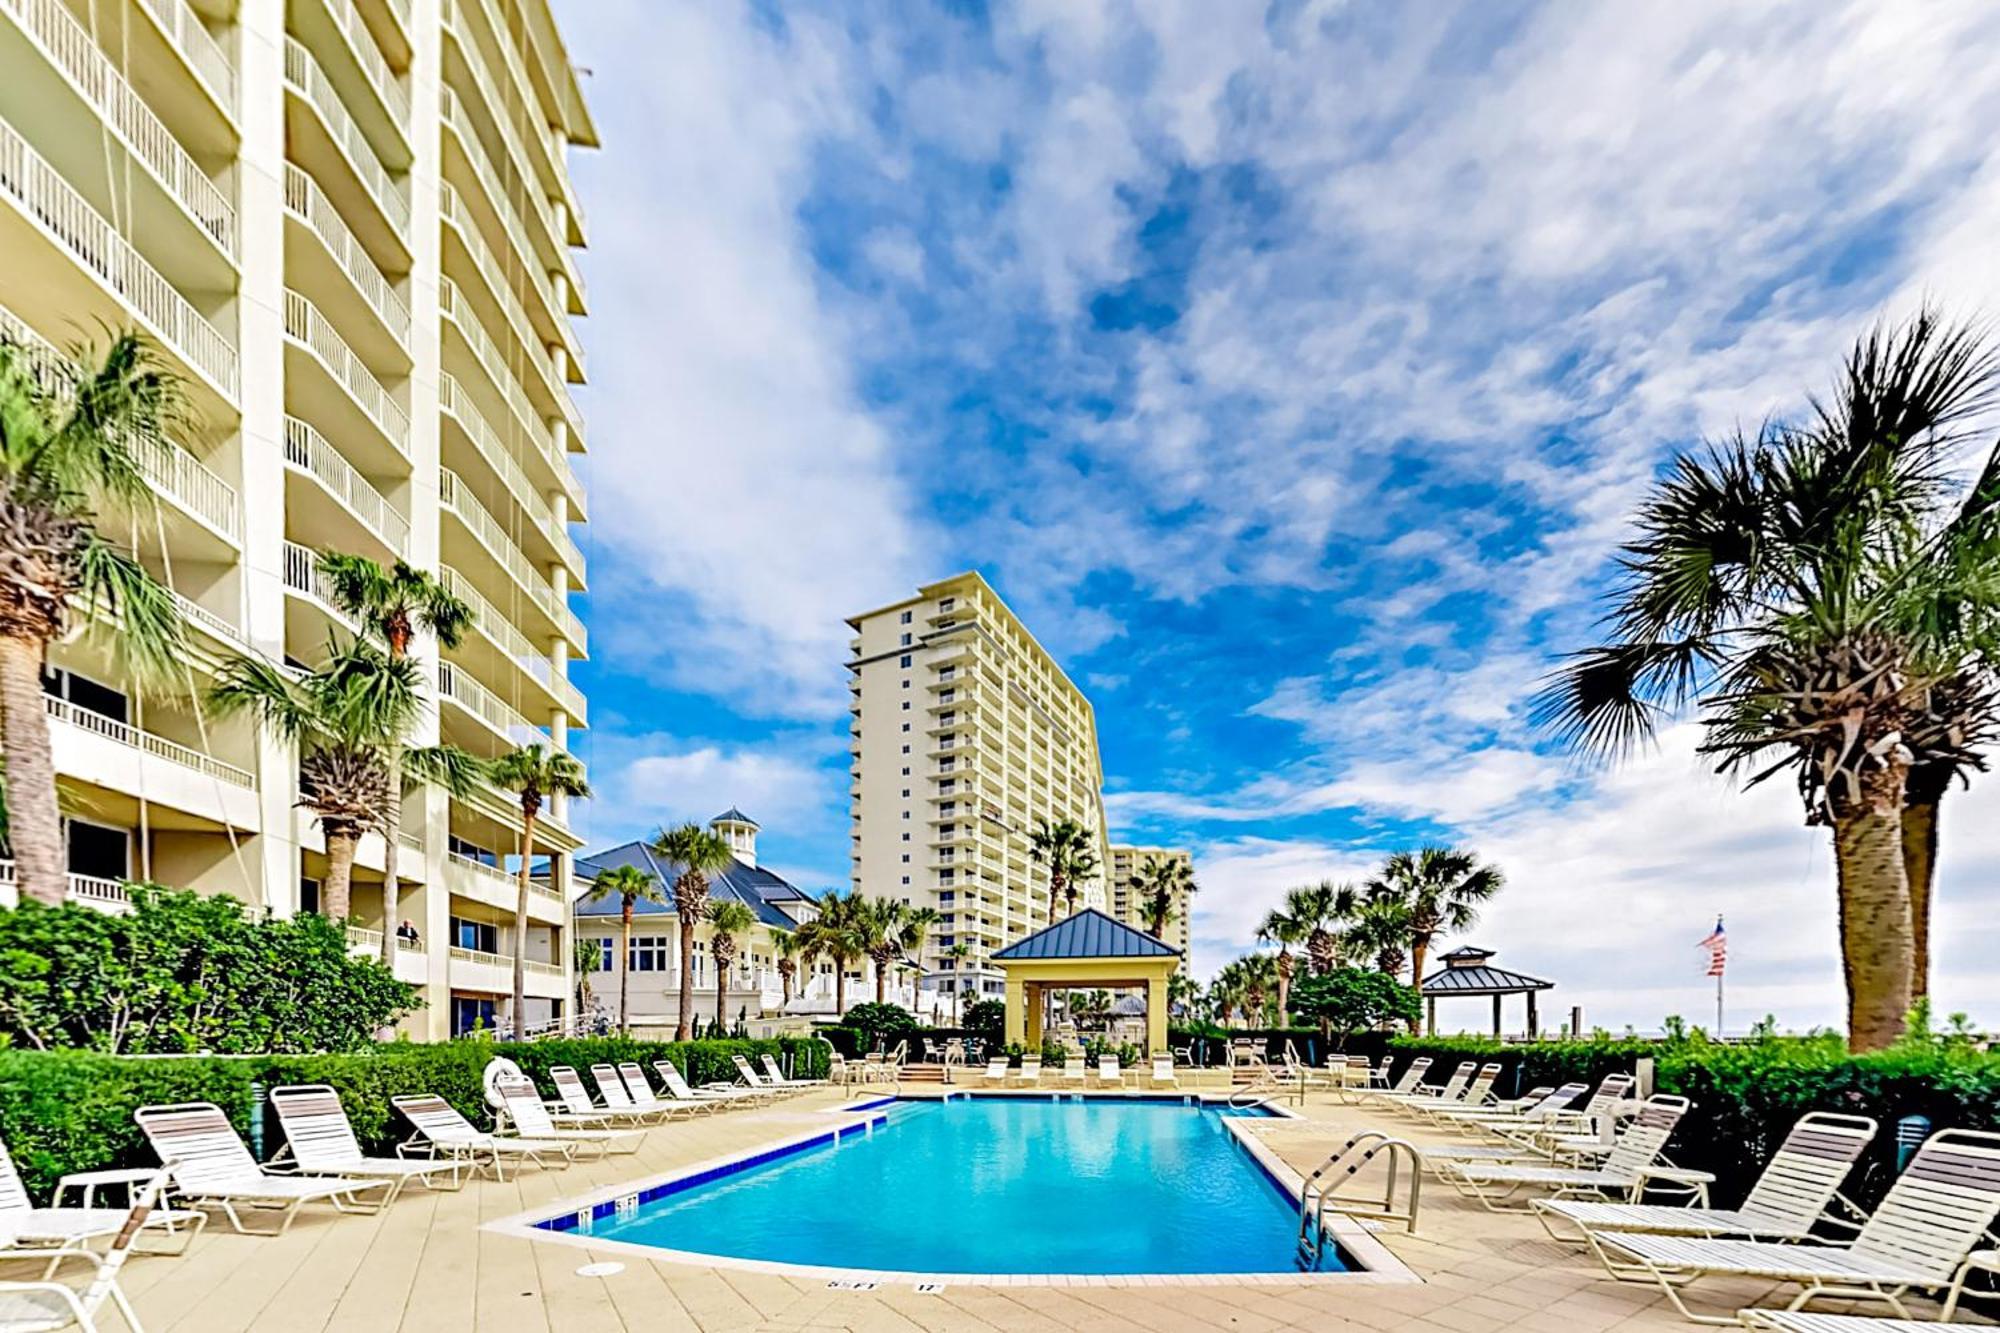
<point>677,1087</point>
<point>579,1109</point>
<point>1633,1163</point>
<point>752,1079</point>
<point>1475,1094</point>
<point>58,1233</point>
<point>1163,1071</point>
<point>1031,1069</point>
<point>1512,1137</point>
<point>29,1307</point>
<point>210,1166</point>
<point>1406,1086</point>
<point>1801,1321</point>
<point>1918,1237</point>
<point>648,1102</point>
<point>320,1141</point>
<point>1109,1075</point>
<point>1426,1094</point>
<point>1794,1194</point>
<point>777,1076</point>
<point>440,1131</point>
<point>613,1092</point>
<point>530,1119</point>
<point>996,1071</point>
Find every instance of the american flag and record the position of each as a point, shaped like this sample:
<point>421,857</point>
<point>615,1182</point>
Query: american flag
<point>1717,945</point>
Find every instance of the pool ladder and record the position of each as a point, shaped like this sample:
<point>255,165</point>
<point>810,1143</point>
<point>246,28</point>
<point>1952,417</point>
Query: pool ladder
<point>1321,1192</point>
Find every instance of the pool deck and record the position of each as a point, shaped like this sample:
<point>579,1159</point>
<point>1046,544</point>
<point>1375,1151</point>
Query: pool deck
<point>432,1264</point>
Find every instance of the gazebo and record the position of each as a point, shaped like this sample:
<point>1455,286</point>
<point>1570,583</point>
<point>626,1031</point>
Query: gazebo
<point>1468,971</point>
<point>1087,951</point>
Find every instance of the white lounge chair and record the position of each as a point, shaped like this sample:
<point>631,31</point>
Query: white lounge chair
<point>648,1102</point>
<point>996,1071</point>
<point>1031,1069</point>
<point>320,1141</point>
<point>1406,1086</point>
<point>1163,1071</point>
<point>752,1079</point>
<point>1794,1193</point>
<point>1918,1237</point>
<point>1632,1164</point>
<point>32,1307</point>
<point>1109,1075</point>
<point>210,1166</point>
<point>1425,1094</point>
<point>579,1109</point>
<point>440,1131</point>
<point>1476,1093</point>
<point>677,1087</point>
<point>530,1119</point>
<point>1802,1321</point>
<point>58,1233</point>
<point>613,1091</point>
<point>777,1075</point>
<point>1073,1071</point>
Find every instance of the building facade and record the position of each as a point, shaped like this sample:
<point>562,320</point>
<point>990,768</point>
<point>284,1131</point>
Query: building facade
<point>965,733</point>
<point>348,226</point>
<point>1126,901</point>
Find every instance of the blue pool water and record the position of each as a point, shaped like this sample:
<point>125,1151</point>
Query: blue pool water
<point>992,1185</point>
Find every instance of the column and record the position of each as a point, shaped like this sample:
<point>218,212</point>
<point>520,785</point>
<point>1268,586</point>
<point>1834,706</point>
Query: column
<point>1038,1000</point>
<point>1156,1014</point>
<point>1496,1015</point>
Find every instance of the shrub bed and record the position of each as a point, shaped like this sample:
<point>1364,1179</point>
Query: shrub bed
<point>63,1111</point>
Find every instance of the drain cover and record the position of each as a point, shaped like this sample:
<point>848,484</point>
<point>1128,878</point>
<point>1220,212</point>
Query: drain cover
<point>600,1270</point>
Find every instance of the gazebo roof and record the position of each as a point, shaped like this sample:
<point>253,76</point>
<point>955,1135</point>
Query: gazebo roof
<point>1088,934</point>
<point>1468,971</point>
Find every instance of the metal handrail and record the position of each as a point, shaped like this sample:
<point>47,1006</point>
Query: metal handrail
<point>1319,1193</point>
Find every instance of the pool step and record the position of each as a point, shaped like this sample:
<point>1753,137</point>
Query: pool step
<point>923,1074</point>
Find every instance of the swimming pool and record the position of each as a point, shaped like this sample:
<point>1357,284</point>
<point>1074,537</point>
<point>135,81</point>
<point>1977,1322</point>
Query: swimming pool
<point>979,1185</point>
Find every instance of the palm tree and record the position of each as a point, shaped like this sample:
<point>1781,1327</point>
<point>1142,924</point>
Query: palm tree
<point>785,951</point>
<point>888,929</point>
<point>1069,851</point>
<point>957,953</point>
<point>1378,929</point>
<point>1314,908</point>
<point>393,604</point>
<point>1281,928</point>
<point>584,956</point>
<point>1823,595</point>
<point>346,717</point>
<point>630,886</point>
<point>836,933</point>
<point>1441,889</point>
<point>1225,993</point>
<point>74,439</point>
<point>1164,881</point>
<point>700,853</point>
<point>727,918</point>
<point>533,774</point>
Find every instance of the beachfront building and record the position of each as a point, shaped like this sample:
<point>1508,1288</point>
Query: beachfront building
<point>1126,899</point>
<point>348,226</point>
<point>965,734</point>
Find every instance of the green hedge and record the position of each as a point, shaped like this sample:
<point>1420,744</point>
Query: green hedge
<point>63,1111</point>
<point>1747,1096</point>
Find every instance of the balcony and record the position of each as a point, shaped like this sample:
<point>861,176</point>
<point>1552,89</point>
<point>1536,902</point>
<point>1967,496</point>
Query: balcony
<point>545,456</point>
<point>497,720</point>
<point>203,55</point>
<point>486,532</point>
<point>84,269</point>
<point>477,970</point>
<point>311,613</point>
<point>326,381</point>
<point>369,88</point>
<point>543,241</point>
<point>92,890</point>
<point>531,126</point>
<point>551,538</point>
<point>340,498</point>
<point>489,884</point>
<point>338,267</point>
<point>413,964</point>
<point>327,142</point>
<point>185,217</point>
<point>507,649</point>
<point>96,724</point>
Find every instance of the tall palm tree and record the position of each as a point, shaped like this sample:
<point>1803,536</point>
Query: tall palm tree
<point>1823,595</point>
<point>630,886</point>
<point>1315,908</point>
<point>957,953</point>
<point>1378,927</point>
<point>1260,979</point>
<point>701,854</point>
<point>1225,992</point>
<point>727,919</point>
<point>534,774</point>
<point>393,605</point>
<point>1163,882</point>
<point>836,932</point>
<point>74,437</point>
<point>1069,850</point>
<point>889,929</point>
<point>1441,889</point>
<point>1281,928</point>
<point>785,952</point>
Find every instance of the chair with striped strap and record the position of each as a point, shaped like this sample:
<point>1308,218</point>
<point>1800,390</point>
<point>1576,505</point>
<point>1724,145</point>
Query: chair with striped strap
<point>1475,1093</point>
<point>58,1233</point>
<point>36,1307</point>
<point>1446,1094</point>
<point>752,1079</point>
<point>1918,1238</point>
<point>1631,1166</point>
<point>522,1106</point>
<point>211,1167</point>
<point>618,1097</point>
<point>1795,1193</point>
<point>996,1070</point>
<point>578,1108</point>
<point>777,1075</point>
<point>1031,1069</point>
<point>440,1131</point>
<point>646,1100</point>
<point>1572,1137</point>
<point>1804,1321</point>
<point>1509,1137</point>
<point>711,1097</point>
<point>320,1141</point>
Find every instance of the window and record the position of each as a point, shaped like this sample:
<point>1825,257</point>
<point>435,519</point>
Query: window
<point>308,895</point>
<point>906,793</point>
<point>906,708</point>
<point>906,682</point>
<point>906,814</point>
<point>948,808</point>
<point>947,696</point>
<point>906,772</point>
<point>947,673</point>
<point>99,851</point>
<point>948,786</point>
<point>607,954</point>
<point>946,603</point>
<point>947,876</point>
<point>905,643</point>
<point>469,1014</point>
<point>458,846</point>
<point>481,936</point>
<point>649,953</point>
<point>945,898</point>
<point>85,693</point>
<point>905,662</point>
<point>906,837</point>
<point>904,619</point>
<point>906,858</point>
<point>906,879</point>
<point>947,719</point>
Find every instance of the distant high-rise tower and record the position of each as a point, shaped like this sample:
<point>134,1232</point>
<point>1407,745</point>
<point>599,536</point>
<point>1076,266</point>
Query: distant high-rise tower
<point>1128,900</point>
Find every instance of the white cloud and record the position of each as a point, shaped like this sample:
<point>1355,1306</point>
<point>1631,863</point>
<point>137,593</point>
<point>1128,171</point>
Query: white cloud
<point>648,781</point>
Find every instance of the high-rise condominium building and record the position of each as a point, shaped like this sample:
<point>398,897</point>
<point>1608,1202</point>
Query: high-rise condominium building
<point>347,226</point>
<point>965,734</point>
<point>1127,896</point>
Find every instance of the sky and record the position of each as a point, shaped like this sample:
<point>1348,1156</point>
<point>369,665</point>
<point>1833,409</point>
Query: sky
<point>1291,370</point>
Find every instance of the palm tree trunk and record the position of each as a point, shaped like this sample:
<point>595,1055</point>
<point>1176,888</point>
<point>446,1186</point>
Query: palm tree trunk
<point>625,970</point>
<point>34,823</point>
<point>521,927</point>
<point>881,979</point>
<point>392,902</point>
<point>839,988</point>
<point>336,898</point>
<point>721,996</point>
<point>1921,798</point>
<point>685,1025</point>
<point>1418,948</point>
<point>1284,985</point>
<point>1876,934</point>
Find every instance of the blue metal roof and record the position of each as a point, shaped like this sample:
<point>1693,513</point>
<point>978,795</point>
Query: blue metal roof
<point>754,887</point>
<point>1088,934</point>
<point>734,816</point>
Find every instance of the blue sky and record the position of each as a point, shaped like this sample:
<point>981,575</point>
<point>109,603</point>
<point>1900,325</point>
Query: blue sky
<point>1290,369</point>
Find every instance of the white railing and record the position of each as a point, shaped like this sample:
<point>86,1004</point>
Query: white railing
<point>305,325</point>
<point>204,54</point>
<point>501,879</point>
<point>209,620</point>
<point>523,95</point>
<point>454,495</point>
<point>370,939</point>
<point>456,684</point>
<point>307,450</point>
<point>374,67</point>
<point>124,734</point>
<point>571,699</point>
<point>538,204</point>
<point>453,306</point>
<point>94,889</point>
<point>69,44</point>
<point>302,574</point>
<point>401,10</point>
<point>40,190</point>
<point>304,198</point>
<point>494,624</point>
<point>305,75</point>
<point>533,965</point>
<point>458,404</point>
<point>454,212</point>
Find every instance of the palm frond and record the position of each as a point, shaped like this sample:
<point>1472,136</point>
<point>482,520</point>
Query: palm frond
<point>446,767</point>
<point>151,638</point>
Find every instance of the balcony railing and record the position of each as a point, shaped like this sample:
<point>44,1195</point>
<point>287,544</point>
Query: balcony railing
<point>95,889</point>
<point>458,403</point>
<point>305,325</point>
<point>533,966</point>
<point>453,306</point>
<point>215,624</point>
<point>112,729</point>
<point>456,684</point>
<point>501,879</point>
<point>455,215</point>
<point>530,190</point>
<point>305,75</point>
<point>371,940</point>
<point>38,189</point>
<point>304,198</point>
<point>69,44</point>
<point>490,621</point>
<point>454,495</point>
<point>308,451</point>
<point>302,574</point>
<point>571,699</point>
<point>373,66</point>
<point>203,53</point>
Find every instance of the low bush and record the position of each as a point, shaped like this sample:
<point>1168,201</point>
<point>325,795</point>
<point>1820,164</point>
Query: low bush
<point>63,1111</point>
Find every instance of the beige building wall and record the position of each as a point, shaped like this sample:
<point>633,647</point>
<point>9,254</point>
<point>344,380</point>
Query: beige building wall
<point>965,733</point>
<point>1127,903</point>
<point>347,225</point>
